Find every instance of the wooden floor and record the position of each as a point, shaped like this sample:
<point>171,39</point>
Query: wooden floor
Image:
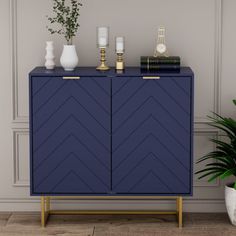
<point>194,224</point>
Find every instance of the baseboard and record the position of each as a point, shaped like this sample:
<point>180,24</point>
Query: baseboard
<point>189,205</point>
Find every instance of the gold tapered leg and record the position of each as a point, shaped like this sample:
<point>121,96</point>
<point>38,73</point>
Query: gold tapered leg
<point>179,202</point>
<point>47,204</point>
<point>43,220</point>
<point>45,210</point>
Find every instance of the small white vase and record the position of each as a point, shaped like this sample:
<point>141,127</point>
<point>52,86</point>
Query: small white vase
<point>69,59</point>
<point>230,202</point>
<point>49,64</point>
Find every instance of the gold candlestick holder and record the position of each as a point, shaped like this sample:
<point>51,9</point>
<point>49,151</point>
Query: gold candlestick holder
<point>103,65</point>
<point>120,65</point>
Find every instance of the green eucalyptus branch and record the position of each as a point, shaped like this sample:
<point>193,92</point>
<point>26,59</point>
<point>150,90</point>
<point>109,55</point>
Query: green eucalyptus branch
<point>66,15</point>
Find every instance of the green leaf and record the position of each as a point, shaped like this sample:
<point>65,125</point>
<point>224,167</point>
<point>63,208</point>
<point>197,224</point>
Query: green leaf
<point>217,156</point>
<point>228,173</point>
<point>210,173</point>
<point>217,164</point>
<point>214,177</point>
<point>226,124</point>
<point>234,186</point>
<point>209,169</point>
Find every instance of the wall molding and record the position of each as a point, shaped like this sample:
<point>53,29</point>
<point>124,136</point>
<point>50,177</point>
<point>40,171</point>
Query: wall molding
<point>17,182</point>
<point>16,118</point>
<point>218,54</point>
<point>215,134</point>
<point>20,120</point>
<point>213,205</point>
<point>217,62</point>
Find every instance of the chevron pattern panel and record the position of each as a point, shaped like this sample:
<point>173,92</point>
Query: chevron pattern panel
<point>151,135</point>
<point>70,130</point>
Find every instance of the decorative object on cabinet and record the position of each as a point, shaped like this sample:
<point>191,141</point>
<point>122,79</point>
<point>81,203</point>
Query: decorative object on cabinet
<point>223,161</point>
<point>49,64</point>
<point>66,16</point>
<point>161,49</point>
<point>103,43</point>
<point>150,63</point>
<point>69,59</point>
<point>120,49</point>
<point>108,136</point>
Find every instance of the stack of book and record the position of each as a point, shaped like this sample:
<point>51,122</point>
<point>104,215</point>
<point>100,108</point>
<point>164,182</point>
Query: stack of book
<point>152,64</point>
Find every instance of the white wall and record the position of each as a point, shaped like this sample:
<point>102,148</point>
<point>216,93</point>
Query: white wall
<point>195,31</point>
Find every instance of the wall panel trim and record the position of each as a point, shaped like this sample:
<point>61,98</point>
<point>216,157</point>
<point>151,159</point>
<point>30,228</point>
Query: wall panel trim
<point>20,204</point>
<point>19,120</point>
<point>217,62</point>
<point>14,65</point>
<point>17,182</point>
<point>215,134</point>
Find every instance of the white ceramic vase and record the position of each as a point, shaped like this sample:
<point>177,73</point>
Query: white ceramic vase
<point>49,64</point>
<point>69,59</point>
<point>230,201</point>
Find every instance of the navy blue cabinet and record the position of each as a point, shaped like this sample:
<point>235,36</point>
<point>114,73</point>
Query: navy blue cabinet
<point>106,133</point>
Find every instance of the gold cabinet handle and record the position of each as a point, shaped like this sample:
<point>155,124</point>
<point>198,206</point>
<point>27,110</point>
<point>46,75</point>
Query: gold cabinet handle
<point>71,77</point>
<point>151,77</point>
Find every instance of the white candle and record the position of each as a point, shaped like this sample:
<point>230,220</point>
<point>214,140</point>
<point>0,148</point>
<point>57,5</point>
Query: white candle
<point>119,44</point>
<point>103,36</point>
<point>102,42</point>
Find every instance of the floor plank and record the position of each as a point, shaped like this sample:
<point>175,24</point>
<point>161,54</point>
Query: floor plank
<point>4,216</point>
<point>116,225</point>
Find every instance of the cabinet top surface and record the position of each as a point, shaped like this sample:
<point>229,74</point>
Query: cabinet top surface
<point>91,71</point>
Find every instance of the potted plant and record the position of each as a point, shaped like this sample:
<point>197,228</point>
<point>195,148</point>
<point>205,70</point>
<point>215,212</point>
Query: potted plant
<point>66,17</point>
<point>223,160</point>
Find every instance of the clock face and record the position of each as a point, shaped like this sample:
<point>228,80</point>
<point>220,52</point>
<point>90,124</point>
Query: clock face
<point>161,48</point>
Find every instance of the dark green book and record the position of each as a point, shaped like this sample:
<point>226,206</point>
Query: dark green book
<point>160,67</point>
<point>150,60</point>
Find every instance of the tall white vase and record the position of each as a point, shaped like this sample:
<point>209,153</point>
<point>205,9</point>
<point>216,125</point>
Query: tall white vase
<point>49,64</point>
<point>69,59</point>
<point>230,202</point>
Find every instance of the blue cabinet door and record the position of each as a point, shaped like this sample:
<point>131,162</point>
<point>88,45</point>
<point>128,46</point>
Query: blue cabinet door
<point>151,135</point>
<point>70,135</point>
